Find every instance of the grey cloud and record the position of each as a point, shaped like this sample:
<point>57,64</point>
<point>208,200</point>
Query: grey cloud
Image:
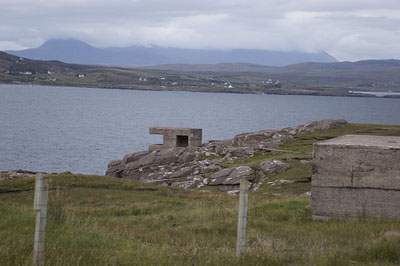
<point>349,30</point>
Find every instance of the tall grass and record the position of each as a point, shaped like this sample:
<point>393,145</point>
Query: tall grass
<point>128,224</point>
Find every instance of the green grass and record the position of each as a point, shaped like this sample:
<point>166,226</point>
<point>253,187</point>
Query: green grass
<point>303,142</point>
<point>96,220</point>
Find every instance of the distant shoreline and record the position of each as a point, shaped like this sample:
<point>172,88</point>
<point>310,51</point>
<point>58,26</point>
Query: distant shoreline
<point>361,94</point>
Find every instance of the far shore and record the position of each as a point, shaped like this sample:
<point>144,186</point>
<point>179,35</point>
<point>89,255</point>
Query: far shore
<point>363,94</point>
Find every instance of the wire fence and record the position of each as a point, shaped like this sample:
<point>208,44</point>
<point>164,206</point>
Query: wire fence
<point>92,227</point>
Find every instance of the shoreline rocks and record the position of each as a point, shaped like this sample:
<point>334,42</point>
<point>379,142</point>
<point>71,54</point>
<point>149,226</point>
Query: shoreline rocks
<point>192,167</point>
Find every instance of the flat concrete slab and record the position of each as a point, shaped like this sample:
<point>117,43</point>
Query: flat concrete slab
<point>380,142</point>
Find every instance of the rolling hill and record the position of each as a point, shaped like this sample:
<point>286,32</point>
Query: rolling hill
<point>335,78</point>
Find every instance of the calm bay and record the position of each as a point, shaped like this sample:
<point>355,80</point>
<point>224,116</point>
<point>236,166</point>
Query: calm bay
<point>57,129</point>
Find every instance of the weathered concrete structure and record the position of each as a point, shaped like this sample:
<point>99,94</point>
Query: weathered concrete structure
<point>174,137</point>
<point>356,176</point>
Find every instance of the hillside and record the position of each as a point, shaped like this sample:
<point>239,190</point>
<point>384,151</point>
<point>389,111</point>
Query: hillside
<point>336,78</point>
<point>376,74</point>
<point>97,220</point>
<point>75,51</point>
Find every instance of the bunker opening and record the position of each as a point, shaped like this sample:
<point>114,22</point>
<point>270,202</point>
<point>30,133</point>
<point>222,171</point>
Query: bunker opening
<point>182,141</point>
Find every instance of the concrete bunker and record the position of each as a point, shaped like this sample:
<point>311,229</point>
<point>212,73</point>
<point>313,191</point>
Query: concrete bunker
<point>356,176</point>
<point>174,137</point>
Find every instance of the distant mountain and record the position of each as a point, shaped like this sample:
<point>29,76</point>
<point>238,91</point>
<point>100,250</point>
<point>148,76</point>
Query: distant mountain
<point>75,51</point>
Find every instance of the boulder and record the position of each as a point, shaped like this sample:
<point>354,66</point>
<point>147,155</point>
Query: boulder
<point>238,173</point>
<point>240,152</point>
<point>219,177</point>
<point>190,156</point>
<point>219,143</point>
<point>272,167</point>
<point>209,168</point>
<point>252,138</point>
<point>182,172</point>
<point>305,162</point>
<point>217,161</point>
<point>232,176</point>
<point>184,184</point>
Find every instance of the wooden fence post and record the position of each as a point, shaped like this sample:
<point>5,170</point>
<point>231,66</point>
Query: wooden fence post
<point>40,205</point>
<point>241,230</point>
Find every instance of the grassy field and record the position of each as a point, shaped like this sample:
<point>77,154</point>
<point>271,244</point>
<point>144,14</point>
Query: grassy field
<point>96,220</point>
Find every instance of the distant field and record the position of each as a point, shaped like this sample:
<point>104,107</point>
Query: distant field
<point>96,220</point>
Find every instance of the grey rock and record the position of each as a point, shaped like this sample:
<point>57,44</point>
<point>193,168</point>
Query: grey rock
<point>114,168</point>
<point>219,143</point>
<point>240,172</point>
<point>222,173</point>
<point>272,143</point>
<point>321,125</point>
<point>217,161</point>
<point>271,167</point>
<point>305,162</point>
<point>190,156</point>
<point>240,151</point>
<point>228,159</point>
<point>163,156</point>
<point>219,177</point>
<point>232,176</point>
<point>255,186</point>
<point>306,194</point>
<point>133,156</point>
<point>252,138</point>
<point>183,172</point>
<point>210,168</point>
<point>185,184</point>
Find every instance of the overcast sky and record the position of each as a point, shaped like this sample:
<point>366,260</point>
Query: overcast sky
<point>347,29</point>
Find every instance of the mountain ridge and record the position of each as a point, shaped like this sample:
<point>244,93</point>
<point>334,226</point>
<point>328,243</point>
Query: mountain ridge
<point>76,51</point>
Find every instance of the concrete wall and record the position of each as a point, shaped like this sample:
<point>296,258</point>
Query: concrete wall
<point>356,175</point>
<point>170,135</point>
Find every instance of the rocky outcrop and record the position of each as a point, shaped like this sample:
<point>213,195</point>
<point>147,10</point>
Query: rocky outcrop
<point>199,166</point>
<point>16,174</point>
<point>232,176</point>
<point>321,125</point>
<point>273,138</point>
<point>272,167</point>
